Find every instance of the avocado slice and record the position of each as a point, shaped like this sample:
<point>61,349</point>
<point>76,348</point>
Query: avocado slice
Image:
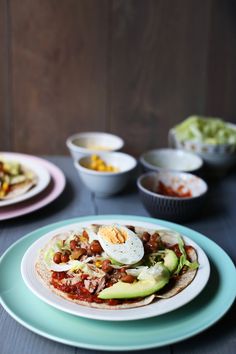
<point>171,260</point>
<point>12,167</point>
<point>139,288</point>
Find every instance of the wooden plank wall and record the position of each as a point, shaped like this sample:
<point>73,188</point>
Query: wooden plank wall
<point>5,119</point>
<point>131,67</point>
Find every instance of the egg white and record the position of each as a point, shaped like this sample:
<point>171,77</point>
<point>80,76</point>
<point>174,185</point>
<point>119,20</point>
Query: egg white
<point>129,252</point>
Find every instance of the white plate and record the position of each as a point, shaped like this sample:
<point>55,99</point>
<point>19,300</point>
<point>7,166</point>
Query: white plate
<point>40,171</point>
<point>154,309</point>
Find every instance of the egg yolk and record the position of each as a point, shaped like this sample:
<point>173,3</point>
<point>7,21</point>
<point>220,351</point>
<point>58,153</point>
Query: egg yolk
<point>113,235</point>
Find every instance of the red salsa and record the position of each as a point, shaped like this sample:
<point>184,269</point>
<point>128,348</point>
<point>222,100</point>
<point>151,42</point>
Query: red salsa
<point>180,192</point>
<point>79,292</point>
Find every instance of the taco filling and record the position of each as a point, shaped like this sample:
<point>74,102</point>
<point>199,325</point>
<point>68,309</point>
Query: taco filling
<point>15,179</point>
<point>116,266</point>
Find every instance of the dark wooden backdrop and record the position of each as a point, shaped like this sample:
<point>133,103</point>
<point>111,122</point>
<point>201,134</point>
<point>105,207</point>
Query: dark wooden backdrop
<point>131,67</point>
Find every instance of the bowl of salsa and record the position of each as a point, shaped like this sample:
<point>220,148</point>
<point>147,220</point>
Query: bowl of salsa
<point>171,195</point>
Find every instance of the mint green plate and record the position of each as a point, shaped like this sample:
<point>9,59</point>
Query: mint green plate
<point>193,318</point>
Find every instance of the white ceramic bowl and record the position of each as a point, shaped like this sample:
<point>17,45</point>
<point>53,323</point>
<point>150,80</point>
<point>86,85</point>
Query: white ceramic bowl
<point>170,207</point>
<point>170,159</point>
<point>218,159</point>
<point>86,143</point>
<point>105,184</point>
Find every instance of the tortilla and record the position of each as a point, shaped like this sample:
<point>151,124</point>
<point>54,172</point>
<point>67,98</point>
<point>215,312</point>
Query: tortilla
<point>27,181</point>
<point>19,189</point>
<point>186,277</point>
<point>168,238</point>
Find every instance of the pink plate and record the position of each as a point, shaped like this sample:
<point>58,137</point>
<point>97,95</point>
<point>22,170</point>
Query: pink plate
<point>54,189</point>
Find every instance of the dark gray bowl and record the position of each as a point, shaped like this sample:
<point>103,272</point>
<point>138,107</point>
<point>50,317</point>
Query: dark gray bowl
<point>172,208</point>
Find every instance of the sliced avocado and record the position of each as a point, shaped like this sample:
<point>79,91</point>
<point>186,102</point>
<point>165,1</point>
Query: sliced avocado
<point>59,244</point>
<point>139,288</point>
<point>113,261</point>
<point>12,167</point>
<point>170,260</point>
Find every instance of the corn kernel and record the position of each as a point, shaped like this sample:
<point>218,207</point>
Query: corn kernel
<point>2,193</point>
<point>5,186</point>
<point>94,157</point>
<point>93,165</point>
<point>97,164</point>
<point>98,263</point>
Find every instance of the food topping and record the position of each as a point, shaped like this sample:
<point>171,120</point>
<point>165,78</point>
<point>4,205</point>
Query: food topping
<point>206,130</point>
<point>121,244</point>
<point>180,192</point>
<point>112,234</point>
<point>91,270</point>
<point>97,147</point>
<point>97,164</point>
<point>95,247</point>
<point>12,175</point>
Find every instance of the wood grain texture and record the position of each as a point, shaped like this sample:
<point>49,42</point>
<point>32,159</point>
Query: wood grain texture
<point>221,68</point>
<point>4,77</point>
<point>158,68</point>
<point>131,67</point>
<point>27,342</point>
<point>215,341</point>
<point>59,71</point>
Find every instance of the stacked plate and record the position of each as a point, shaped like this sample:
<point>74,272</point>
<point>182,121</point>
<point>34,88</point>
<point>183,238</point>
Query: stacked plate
<point>167,321</point>
<point>48,185</point>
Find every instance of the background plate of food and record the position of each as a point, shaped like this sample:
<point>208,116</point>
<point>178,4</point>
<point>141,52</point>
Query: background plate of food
<point>21,178</point>
<point>115,269</point>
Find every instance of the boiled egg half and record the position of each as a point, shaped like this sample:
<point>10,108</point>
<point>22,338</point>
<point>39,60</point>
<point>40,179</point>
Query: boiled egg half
<point>120,243</point>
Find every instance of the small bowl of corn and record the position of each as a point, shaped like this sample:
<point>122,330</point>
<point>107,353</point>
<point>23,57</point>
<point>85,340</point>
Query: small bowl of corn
<point>106,174</point>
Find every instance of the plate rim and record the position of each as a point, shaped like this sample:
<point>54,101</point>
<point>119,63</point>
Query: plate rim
<point>207,323</point>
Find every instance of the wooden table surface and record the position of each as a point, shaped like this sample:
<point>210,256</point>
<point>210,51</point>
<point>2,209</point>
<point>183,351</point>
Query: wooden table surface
<point>218,222</point>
